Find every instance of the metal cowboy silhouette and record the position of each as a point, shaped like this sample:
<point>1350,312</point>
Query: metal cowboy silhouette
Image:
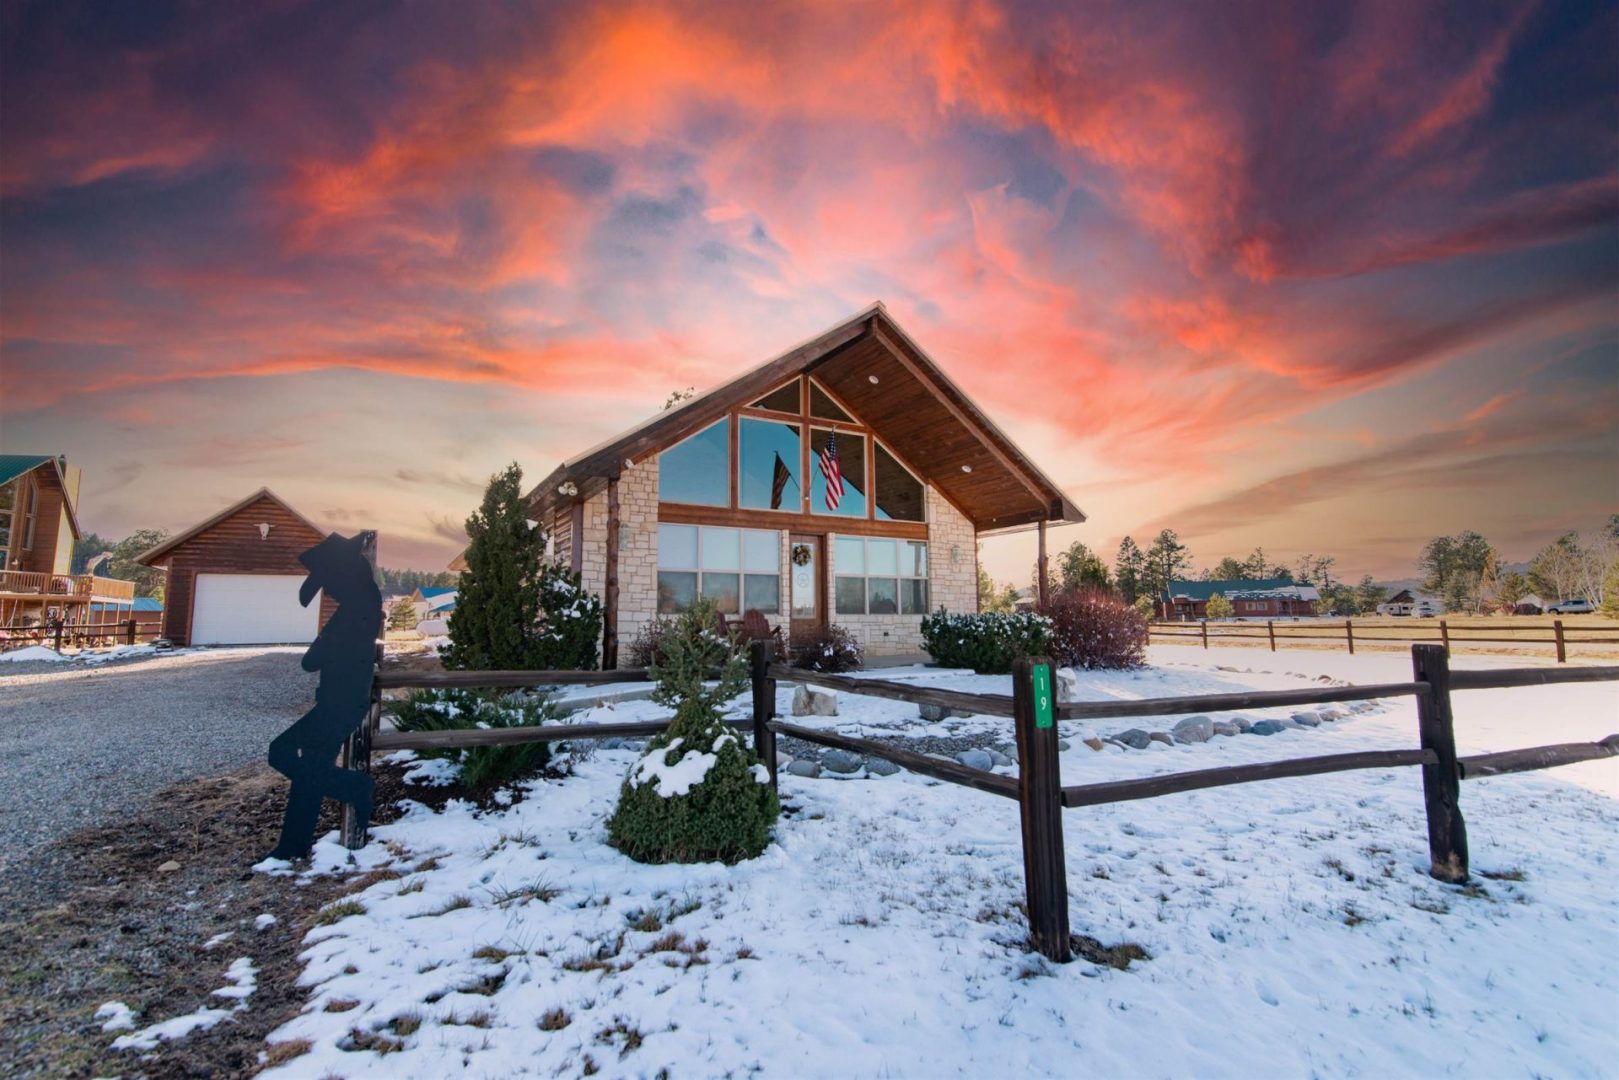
<point>343,653</point>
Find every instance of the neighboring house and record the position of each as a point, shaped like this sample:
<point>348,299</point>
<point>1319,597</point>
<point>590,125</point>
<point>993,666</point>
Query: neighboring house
<point>1409,602</point>
<point>39,525</point>
<point>846,481</point>
<point>434,601</point>
<point>234,578</point>
<point>1264,598</point>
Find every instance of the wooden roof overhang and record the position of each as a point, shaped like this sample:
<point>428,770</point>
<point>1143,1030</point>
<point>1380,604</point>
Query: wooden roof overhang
<point>878,371</point>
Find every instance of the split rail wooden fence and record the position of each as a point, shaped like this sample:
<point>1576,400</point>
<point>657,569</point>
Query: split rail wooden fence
<point>1330,632</point>
<point>1038,789</point>
<point>58,634</point>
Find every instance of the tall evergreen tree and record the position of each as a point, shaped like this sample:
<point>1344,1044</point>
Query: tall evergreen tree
<point>1079,566</point>
<point>1128,567</point>
<point>1167,560</point>
<point>1368,594</point>
<point>497,607</point>
<point>149,581</point>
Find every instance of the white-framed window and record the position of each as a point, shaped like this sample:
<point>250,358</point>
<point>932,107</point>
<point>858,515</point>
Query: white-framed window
<point>739,569</point>
<point>876,575</point>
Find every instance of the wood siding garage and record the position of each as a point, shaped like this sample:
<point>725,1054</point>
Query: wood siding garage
<point>211,598</point>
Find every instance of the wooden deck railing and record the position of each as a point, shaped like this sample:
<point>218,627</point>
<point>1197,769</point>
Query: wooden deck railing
<point>27,583</point>
<point>1038,787</point>
<point>59,634</point>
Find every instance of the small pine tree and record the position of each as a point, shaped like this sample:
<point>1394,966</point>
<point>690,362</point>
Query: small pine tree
<point>497,604</point>
<point>697,794</point>
<point>402,616</point>
<point>1219,607</point>
<point>1144,605</point>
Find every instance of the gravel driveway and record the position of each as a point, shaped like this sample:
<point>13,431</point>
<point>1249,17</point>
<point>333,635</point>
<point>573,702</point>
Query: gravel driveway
<point>83,746</point>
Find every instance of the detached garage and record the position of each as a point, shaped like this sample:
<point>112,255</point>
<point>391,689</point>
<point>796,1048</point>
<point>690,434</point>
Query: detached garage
<point>234,579</point>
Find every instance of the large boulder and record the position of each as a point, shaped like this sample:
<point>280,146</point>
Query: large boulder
<point>1067,685</point>
<point>1306,719</point>
<point>881,767</point>
<point>804,767</point>
<point>976,759</point>
<point>934,713</point>
<point>1267,727</point>
<point>1227,727</point>
<point>1134,738</point>
<point>842,761</point>
<point>809,701</point>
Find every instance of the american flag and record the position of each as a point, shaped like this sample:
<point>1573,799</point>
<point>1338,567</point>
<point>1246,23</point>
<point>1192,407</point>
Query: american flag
<point>828,458</point>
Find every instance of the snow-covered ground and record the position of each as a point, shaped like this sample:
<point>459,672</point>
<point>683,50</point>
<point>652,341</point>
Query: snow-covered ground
<point>1291,927</point>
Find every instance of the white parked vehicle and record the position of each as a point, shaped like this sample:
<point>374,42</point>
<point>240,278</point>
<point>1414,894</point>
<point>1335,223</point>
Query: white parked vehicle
<point>1580,606</point>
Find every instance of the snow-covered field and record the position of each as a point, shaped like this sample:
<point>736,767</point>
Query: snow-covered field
<point>1291,928</point>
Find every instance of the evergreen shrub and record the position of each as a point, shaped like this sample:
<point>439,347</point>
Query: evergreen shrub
<point>697,794</point>
<point>986,641</point>
<point>479,768</point>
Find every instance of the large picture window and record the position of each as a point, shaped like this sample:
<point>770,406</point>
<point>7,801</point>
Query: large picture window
<point>898,494</point>
<point>772,453</point>
<point>698,469</point>
<point>739,569</point>
<point>851,459</point>
<point>879,576</point>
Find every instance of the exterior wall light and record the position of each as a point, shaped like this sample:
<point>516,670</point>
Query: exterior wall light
<point>966,468</point>
<point>569,489</point>
<point>873,379</point>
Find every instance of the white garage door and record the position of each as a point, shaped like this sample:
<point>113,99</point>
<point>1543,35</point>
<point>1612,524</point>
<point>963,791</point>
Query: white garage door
<point>252,609</point>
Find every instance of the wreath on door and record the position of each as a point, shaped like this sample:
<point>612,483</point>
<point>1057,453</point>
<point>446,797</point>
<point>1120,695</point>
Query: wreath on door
<point>801,555</point>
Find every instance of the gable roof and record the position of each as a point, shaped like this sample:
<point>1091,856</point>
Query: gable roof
<point>928,420</point>
<point>430,591</point>
<point>15,465</point>
<point>150,557</point>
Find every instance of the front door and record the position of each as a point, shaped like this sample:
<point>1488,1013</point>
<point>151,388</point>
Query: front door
<point>807,595</point>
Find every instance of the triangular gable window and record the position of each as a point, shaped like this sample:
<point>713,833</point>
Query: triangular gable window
<point>822,407</point>
<point>782,399</point>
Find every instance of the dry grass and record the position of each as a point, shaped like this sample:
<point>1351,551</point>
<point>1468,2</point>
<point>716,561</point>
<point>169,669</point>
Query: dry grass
<point>340,910</point>
<point>554,1019</point>
<point>282,1052</point>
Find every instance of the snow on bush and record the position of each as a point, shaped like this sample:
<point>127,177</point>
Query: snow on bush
<point>986,641</point>
<point>697,794</point>
<point>1094,628</point>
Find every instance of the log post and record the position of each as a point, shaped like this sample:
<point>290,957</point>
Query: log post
<point>1557,632</point>
<point>1205,633</point>
<point>1349,634</point>
<point>1444,635</point>
<point>357,755</point>
<point>1045,871</point>
<point>1270,628</point>
<point>58,635</point>
<point>1441,782</point>
<point>131,631</point>
<point>764,706</point>
<point>1042,586</point>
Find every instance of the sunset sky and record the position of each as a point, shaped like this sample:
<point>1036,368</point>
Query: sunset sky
<point>1330,278</point>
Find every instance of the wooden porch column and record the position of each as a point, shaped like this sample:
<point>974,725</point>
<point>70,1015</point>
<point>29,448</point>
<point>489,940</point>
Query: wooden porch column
<point>610,616</point>
<point>1040,587</point>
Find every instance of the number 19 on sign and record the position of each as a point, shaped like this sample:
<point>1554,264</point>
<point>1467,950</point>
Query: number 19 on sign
<point>1042,695</point>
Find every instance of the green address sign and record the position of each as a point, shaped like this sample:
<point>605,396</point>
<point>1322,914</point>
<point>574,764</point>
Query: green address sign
<point>1042,696</point>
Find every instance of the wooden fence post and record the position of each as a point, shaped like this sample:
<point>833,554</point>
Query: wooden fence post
<point>1205,633</point>
<point>1349,632</point>
<point>1562,651</point>
<point>58,635</point>
<point>1442,782</point>
<point>1045,871</point>
<point>1270,628</point>
<point>131,639</point>
<point>764,706</point>
<point>357,755</point>
<point>1444,635</point>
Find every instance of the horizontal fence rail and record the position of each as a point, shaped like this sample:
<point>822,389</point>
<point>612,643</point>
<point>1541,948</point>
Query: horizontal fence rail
<point>1255,699</point>
<point>938,769</point>
<point>466,738</point>
<point>503,680</point>
<point>1347,632</point>
<point>1508,677</point>
<point>1150,787</point>
<point>984,704</point>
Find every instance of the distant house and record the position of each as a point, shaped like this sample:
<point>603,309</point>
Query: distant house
<point>1265,598</point>
<point>1530,605</point>
<point>39,524</point>
<point>1408,602</point>
<point>147,612</point>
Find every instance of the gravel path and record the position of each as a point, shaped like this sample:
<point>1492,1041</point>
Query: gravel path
<point>85,746</point>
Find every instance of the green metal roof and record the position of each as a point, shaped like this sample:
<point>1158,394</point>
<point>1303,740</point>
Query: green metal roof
<point>14,465</point>
<point>1202,590</point>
